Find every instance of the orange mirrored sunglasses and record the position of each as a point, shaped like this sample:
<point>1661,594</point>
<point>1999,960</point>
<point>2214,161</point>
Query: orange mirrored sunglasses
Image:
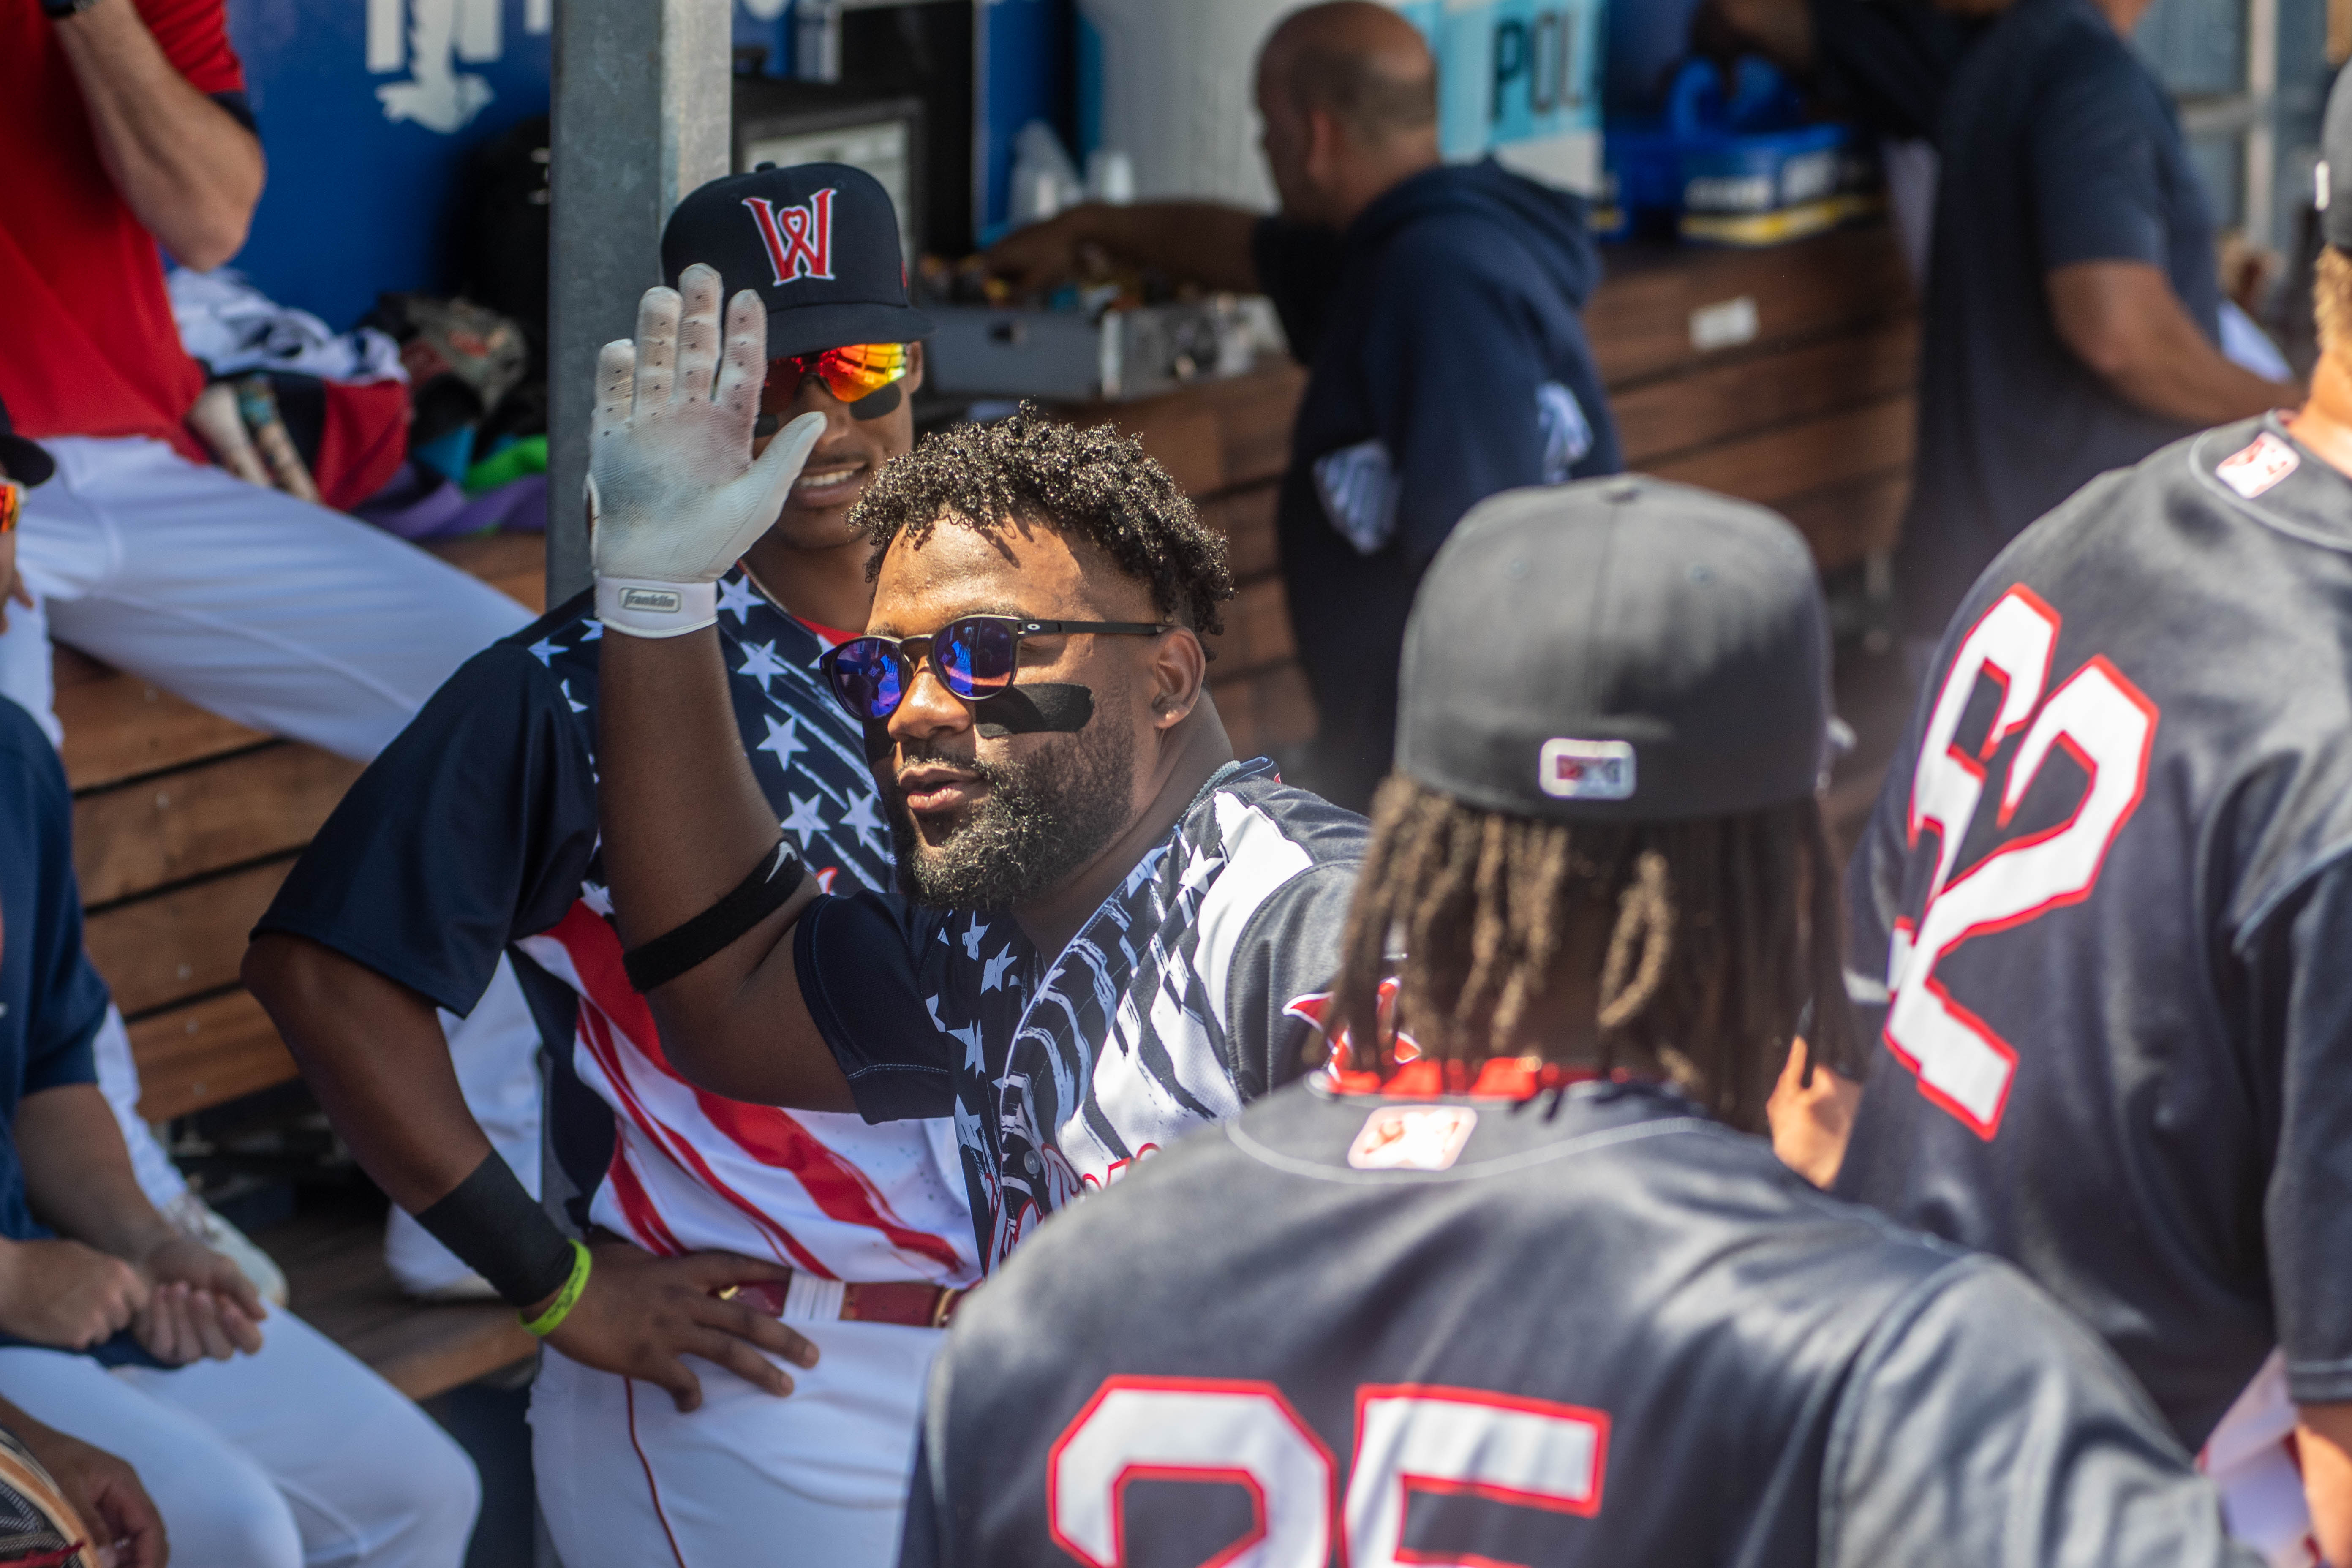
<point>850,373</point>
<point>11,501</point>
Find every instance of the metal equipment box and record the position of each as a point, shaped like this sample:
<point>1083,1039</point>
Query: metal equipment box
<point>1068,356</point>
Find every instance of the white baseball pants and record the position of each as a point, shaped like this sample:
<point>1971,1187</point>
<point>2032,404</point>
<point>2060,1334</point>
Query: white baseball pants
<point>280,615</point>
<point>817,1477</point>
<point>298,1457</point>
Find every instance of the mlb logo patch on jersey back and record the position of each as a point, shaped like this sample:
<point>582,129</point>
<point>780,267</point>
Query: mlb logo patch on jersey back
<point>1586,770</point>
<point>2259,467</point>
<point>1411,1138</point>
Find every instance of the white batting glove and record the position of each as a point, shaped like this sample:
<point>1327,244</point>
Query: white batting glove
<point>674,495</point>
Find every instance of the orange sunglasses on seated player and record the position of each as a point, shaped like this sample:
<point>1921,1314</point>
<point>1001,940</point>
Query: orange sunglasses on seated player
<point>850,373</point>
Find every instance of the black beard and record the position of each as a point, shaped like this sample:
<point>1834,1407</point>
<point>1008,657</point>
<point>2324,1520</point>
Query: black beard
<point>1042,820</point>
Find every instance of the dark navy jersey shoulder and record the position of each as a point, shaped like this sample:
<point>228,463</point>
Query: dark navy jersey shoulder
<point>1886,66</point>
<point>2101,914</point>
<point>1591,1327</point>
<point>51,999</point>
<point>1170,1008</point>
<point>2058,146</point>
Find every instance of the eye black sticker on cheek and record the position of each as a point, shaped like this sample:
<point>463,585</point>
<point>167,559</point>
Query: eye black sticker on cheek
<point>875,405</point>
<point>1044,708</point>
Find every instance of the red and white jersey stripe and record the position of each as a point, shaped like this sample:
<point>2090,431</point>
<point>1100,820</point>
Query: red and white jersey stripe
<point>822,1191</point>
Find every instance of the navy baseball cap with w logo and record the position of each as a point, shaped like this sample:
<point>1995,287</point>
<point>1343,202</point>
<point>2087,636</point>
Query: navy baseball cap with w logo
<point>819,241</point>
<point>1618,650</point>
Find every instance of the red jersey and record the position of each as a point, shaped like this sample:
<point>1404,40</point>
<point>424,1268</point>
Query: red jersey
<point>87,343</point>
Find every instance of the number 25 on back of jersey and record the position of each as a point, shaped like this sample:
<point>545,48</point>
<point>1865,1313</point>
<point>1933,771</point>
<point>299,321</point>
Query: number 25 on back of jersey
<point>1411,1438</point>
<point>2108,727</point>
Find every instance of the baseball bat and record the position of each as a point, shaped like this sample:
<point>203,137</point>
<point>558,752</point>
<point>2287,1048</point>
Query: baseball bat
<point>259,406</point>
<point>216,422</point>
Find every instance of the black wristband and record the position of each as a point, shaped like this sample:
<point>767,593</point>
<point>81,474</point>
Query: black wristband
<point>755,898</point>
<point>499,1231</point>
<point>58,10</point>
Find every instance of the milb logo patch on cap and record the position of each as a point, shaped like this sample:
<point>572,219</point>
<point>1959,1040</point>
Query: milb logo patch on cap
<point>1586,770</point>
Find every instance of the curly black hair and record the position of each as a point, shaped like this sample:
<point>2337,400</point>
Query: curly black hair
<point>1093,484</point>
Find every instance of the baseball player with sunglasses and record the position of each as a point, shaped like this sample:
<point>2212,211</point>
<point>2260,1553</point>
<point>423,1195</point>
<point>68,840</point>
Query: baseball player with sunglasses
<point>1103,917</point>
<point>733,1253</point>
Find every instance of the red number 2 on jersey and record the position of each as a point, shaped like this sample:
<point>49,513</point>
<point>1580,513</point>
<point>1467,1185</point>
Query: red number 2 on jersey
<point>2108,726</point>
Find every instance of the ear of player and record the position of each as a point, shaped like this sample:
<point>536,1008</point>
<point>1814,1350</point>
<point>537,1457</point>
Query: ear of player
<point>675,496</point>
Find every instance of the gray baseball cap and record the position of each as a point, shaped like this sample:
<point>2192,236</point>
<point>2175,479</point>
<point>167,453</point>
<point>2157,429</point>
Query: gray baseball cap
<point>2334,195</point>
<point>1618,650</point>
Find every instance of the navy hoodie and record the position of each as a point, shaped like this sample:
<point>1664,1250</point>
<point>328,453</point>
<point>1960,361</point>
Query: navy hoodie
<point>1446,362</point>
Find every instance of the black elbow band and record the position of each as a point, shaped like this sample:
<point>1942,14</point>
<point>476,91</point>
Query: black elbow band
<point>755,898</point>
<point>499,1231</point>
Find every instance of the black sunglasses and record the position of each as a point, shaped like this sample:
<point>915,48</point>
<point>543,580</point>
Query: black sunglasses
<point>975,657</point>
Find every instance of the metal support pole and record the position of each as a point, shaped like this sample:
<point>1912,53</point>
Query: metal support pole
<point>640,117</point>
<point>2261,135</point>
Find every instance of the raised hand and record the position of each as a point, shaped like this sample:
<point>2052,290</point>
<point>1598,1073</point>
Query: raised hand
<point>675,496</point>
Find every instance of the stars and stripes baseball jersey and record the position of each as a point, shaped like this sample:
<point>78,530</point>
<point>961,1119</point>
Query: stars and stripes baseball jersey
<point>1169,1009</point>
<point>476,832</point>
<point>2103,923</point>
<point>1582,1326</point>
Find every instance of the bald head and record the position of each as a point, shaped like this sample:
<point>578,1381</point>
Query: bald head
<point>1348,96</point>
<point>1361,63</point>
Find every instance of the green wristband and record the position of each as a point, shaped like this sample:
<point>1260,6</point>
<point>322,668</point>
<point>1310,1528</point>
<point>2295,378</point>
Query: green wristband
<point>547,1323</point>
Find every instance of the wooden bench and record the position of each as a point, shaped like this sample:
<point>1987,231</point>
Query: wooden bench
<point>184,823</point>
<point>341,1286</point>
<point>1783,377</point>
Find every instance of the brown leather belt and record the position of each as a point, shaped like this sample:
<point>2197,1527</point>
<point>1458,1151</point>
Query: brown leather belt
<point>908,1303</point>
<point>914,1305</point>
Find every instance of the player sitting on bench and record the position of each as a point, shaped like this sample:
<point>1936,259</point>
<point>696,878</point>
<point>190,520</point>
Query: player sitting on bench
<point>275,1446</point>
<point>856,1237</point>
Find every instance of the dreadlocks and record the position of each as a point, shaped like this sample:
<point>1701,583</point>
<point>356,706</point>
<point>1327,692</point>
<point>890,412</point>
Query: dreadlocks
<point>1708,939</point>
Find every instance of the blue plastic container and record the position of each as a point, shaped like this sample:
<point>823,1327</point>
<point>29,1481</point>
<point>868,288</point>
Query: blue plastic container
<point>1717,155</point>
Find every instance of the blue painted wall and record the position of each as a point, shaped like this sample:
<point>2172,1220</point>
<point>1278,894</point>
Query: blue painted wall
<point>363,163</point>
<point>368,109</point>
<point>1028,49</point>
